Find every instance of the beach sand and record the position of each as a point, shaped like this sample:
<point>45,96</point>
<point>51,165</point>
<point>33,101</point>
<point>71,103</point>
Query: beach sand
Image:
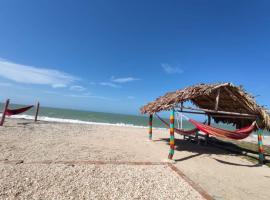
<point>47,160</point>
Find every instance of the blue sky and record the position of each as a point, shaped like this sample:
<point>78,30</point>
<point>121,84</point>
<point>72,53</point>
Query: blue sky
<point>115,56</point>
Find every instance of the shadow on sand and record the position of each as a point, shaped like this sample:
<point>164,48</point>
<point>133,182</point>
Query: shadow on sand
<point>202,149</point>
<point>236,164</point>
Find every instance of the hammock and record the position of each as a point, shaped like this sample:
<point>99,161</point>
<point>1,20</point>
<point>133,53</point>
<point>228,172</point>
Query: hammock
<point>10,112</point>
<point>179,131</point>
<point>236,135</point>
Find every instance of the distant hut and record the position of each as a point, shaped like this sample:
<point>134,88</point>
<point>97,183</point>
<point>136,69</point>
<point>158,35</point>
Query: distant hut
<point>224,103</point>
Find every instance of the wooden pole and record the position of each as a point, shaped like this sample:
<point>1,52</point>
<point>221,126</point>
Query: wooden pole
<point>37,110</point>
<point>208,123</point>
<point>260,147</point>
<point>220,112</point>
<point>209,120</point>
<point>171,135</point>
<point>219,115</point>
<point>232,116</point>
<point>217,100</point>
<point>181,124</point>
<point>4,112</point>
<point>181,110</point>
<point>150,123</point>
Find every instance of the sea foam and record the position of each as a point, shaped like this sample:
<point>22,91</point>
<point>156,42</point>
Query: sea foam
<point>75,121</point>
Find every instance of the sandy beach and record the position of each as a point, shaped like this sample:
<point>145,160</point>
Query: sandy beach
<point>47,160</point>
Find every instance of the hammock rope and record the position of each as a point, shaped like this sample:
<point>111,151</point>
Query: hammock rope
<point>179,131</point>
<point>10,112</point>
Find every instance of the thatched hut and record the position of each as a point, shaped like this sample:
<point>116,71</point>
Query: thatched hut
<point>224,103</point>
<point>233,102</point>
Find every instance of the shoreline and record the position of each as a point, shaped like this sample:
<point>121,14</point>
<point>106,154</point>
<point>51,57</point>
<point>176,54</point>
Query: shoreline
<point>76,121</point>
<point>252,138</point>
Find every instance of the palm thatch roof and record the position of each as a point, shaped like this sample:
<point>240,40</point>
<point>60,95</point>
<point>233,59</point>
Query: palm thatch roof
<point>231,99</point>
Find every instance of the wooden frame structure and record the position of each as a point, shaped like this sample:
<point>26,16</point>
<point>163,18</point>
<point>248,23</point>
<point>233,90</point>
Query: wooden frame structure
<point>222,102</point>
<point>5,108</point>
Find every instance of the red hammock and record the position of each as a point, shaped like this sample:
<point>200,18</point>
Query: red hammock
<point>10,112</point>
<point>236,135</point>
<point>179,131</point>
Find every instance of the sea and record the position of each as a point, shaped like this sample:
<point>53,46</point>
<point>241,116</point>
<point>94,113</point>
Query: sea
<point>84,117</point>
<point>90,117</point>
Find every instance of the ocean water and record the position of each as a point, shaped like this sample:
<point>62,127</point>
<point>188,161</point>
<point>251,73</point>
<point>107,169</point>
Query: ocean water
<point>89,117</point>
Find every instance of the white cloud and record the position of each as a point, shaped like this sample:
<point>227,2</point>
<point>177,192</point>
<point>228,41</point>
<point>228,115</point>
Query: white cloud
<point>88,95</point>
<point>59,85</point>
<point>124,80</point>
<point>109,84</point>
<point>171,70</point>
<point>34,75</point>
<point>77,95</point>
<point>115,82</point>
<point>77,88</point>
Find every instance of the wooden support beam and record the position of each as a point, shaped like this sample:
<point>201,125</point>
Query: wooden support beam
<point>219,112</point>
<point>150,123</point>
<point>4,112</point>
<point>219,115</point>
<point>233,116</point>
<point>191,112</point>
<point>37,110</point>
<point>217,100</point>
<point>181,108</point>
<point>208,123</point>
<point>236,98</point>
<point>209,120</point>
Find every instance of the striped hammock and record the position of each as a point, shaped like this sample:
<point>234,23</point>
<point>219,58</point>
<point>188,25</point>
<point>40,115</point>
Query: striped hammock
<point>235,135</point>
<point>238,134</point>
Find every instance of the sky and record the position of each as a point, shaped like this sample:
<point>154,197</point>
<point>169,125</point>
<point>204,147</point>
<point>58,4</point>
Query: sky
<point>115,56</point>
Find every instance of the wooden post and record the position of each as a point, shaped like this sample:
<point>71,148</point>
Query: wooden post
<point>209,120</point>
<point>37,110</point>
<point>181,108</point>
<point>171,135</point>
<point>4,112</point>
<point>208,123</point>
<point>217,100</point>
<point>197,137</point>
<point>150,126</point>
<point>260,147</point>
